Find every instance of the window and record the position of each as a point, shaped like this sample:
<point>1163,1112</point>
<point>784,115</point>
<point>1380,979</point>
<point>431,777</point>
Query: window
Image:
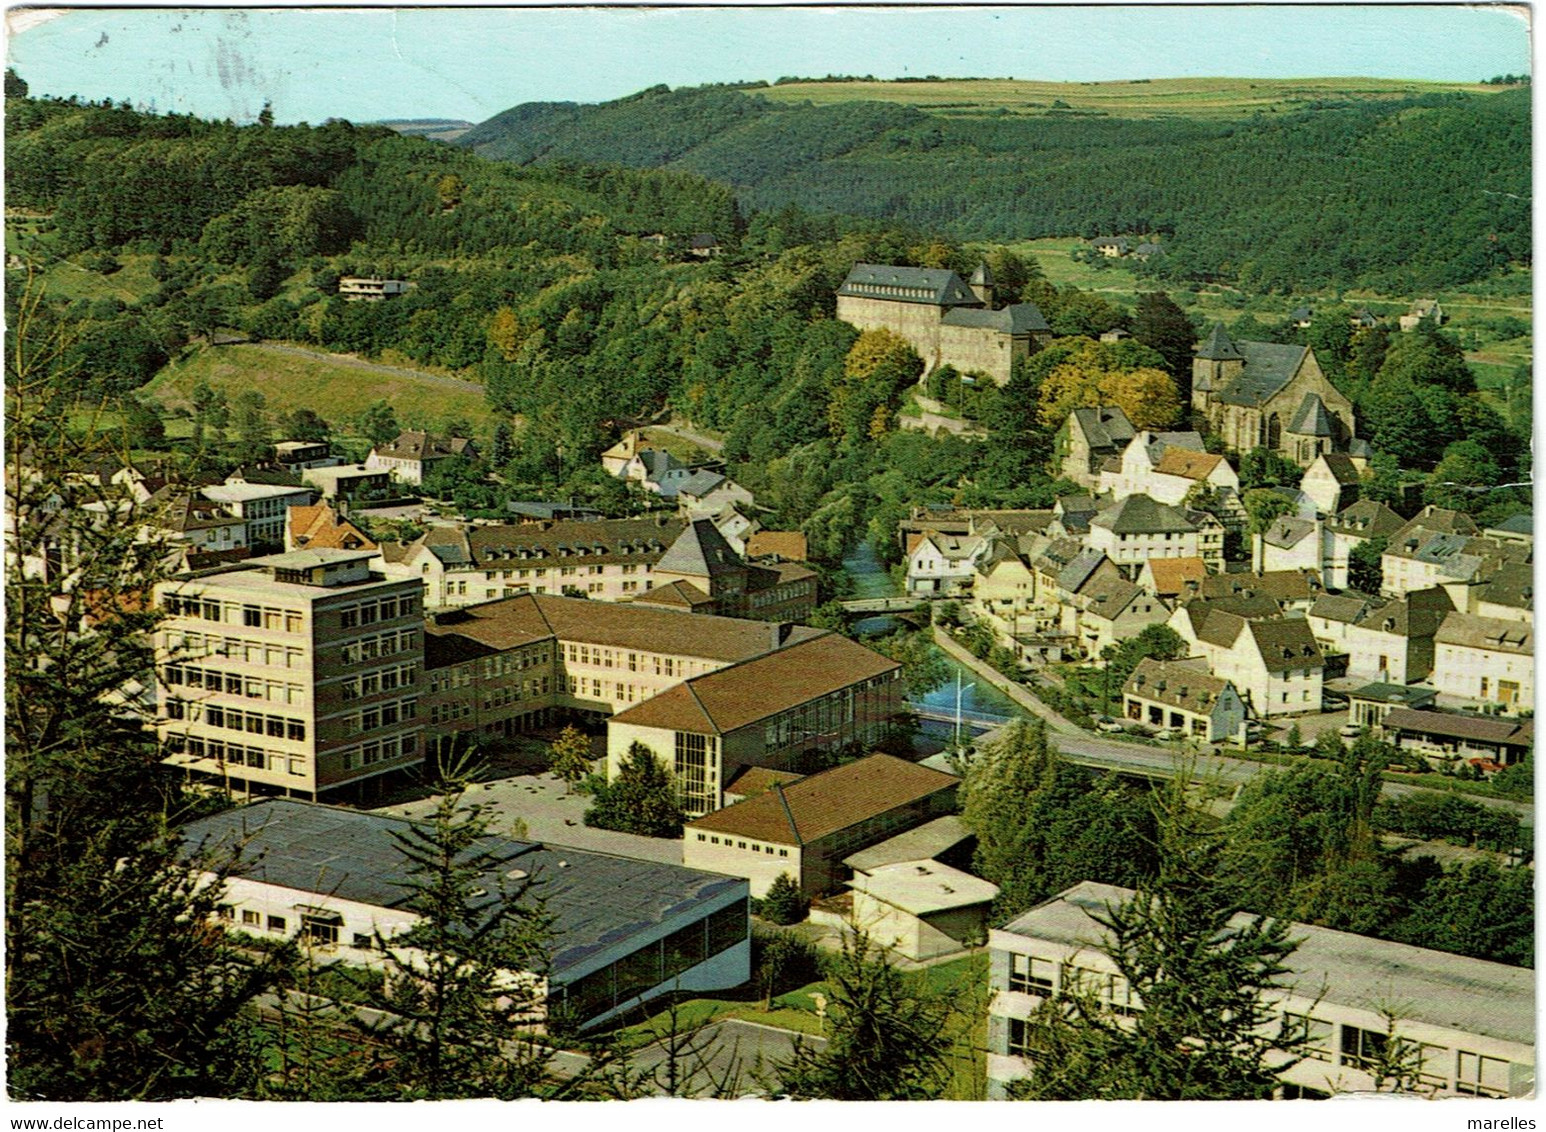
<point>364,942</point>
<point>224,911</point>
<point>250,917</point>
<point>321,928</point>
<point>727,927</point>
<point>276,923</point>
<point>1019,1046</point>
<point>1362,1049</point>
<point>1479,1076</point>
<point>1318,1033</point>
<point>1030,974</point>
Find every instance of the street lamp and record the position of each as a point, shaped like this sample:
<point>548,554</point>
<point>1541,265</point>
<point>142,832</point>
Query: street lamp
<point>959,689</point>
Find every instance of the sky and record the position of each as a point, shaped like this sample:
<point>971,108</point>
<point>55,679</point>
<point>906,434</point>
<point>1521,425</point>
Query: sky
<point>376,63</point>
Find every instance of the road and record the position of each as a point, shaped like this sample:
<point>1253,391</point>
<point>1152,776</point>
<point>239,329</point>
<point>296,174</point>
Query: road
<point>707,443</point>
<point>432,379</point>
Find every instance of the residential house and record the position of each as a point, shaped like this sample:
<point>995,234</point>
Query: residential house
<point>705,492</point>
<point>1071,515</point>
<point>354,484</point>
<point>1332,482</point>
<point>1516,528</point>
<point>1423,309</point>
<point>1112,247</point>
<point>297,672</point>
<point>1385,639</point>
<point>298,455</point>
<point>947,321</point>
<point>1510,596</point>
<point>1363,319</point>
<point>619,932</point>
<point>1138,528</point>
<point>321,527</point>
<point>735,525</point>
<point>1470,1023</point>
<point>1464,565</point>
<point>943,563</point>
<point>1289,544</point>
<point>1004,589</point>
<point>1301,317</point>
<point>185,520</point>
<point>704,245</point>
<point>542,511</point>
<point>805,829</point>
<point>1349,528</point>
<point>1485,660</point>
<point>1109,610</point>
<point>792,709</point>
<point>1484,741</point>
<point>1062,571</point>
<point>1182,696</point>
<point>654,469</point>
<point>371,288</point>
<point>1172,579</point>
<point>413,455</point>
<point>1294,591</point>
<point>1089,439</point>
<point>1137,471</point>
<point>1273,662</point>
<point>1268,395</point>
<point>609,560</point>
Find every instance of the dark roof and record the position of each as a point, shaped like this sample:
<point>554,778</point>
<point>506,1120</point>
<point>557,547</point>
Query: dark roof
<point>703,240</point>
<point>1286,532</point>
<point>1022,318</point>
<point>1517,525</point>
<point>1513,586</point>
<point>1180,684</point>
<point>700,483</point>
<point>414,445</point>
<point>1105,427</point>
<point>1366,518</point>
<point>1268,368</point>
<point>1141,515</point>
<point>939,287</point>
<point>1339,464</point>
<point>1218,346</point>
<point>1510,732</point>
<point>1299,314</point>
<point>983,276</point>
<point>1312,419</point>
<point>594,899</point>
<point>700,551</point>
<point>679,594</point>
<point>1494,634</point>
<point>1286,643</point>
<point>825,803</point>
<point>1279,585</point>
<point>590,542</point>
<point>1078,570</point>
<point>1394,693</point>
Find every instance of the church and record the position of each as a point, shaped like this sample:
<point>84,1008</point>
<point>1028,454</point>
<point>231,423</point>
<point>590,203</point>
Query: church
<point>1268,395</point>
<point>947,321</point>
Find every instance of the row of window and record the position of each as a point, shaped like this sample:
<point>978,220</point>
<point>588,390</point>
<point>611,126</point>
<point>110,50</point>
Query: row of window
<point>735,843</point>
<point>235,719</point>
<point>384,644</point>
<point>633,661</point>
<point>377,609</point>
<point>507,662</point>
<point>384,680</point>
<point>515,693</point>
<point>384,715</point>
<point>231,684</point>
<point>234,613</point>
<point>819,717</point>
<point>196,646</point>
<point>237,754</point>
<point>449,713</point>
<point>379,750</point>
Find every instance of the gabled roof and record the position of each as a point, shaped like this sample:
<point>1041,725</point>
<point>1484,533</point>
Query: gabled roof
<point>1108,597</point>
<point>1438,519</point>
<point>825,803</point>
<point>1286,532</point>
<point>745,692</point>
<point>1142,515</point>
<point>1279,585</point>
<point>1104,427</point>
<point>936,286</point>
<point>1171,575</point>
<point>414,445</point>
<point>983,276</point>
<point>1268,368</point>
<point>1181,684</point>
<point>1187,464</point>
<point>1339,464</point>
<point>700,551</point>
<point>1311,419</point>
<point>1492,634</point>
<point>1021,318</point>
<point>1513,586</point>
<point>320,526</point>
<point>680,594</point>
<point>1367,519</point>
<point>700,483</point>
<point>1078,569</point>
<point>1285,643</point>
<point>783,544</point>
<point>1510,732</point>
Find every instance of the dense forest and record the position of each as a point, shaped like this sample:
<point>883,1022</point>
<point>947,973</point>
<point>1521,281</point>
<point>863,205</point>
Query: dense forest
<point>537,282</point>
<point>1398,195</point>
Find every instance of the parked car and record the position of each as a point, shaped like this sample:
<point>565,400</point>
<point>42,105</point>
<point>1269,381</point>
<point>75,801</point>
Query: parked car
<point>1333,701</point>
<point>1166,735</point>
<point>1350,730</point>
<point>1107,725</point>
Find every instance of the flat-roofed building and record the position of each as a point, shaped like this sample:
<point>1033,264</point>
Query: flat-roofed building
<point>261,506</point>
<point>297,672</point>
<point>1452,737</point>
<point>622,931</point>
<point>1471,1023</point>
<point>805,829</point>
<point>922,909</point>
<point>783,710</point>
<point>371,288</point>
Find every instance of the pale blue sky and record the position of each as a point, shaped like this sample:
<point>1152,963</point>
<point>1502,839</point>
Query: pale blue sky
<point>385,63</point>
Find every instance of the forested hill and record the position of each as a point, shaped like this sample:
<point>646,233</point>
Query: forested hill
<point>1397,194</point>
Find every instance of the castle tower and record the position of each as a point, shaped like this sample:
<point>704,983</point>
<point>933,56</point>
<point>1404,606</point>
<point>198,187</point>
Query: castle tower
<point>981,284</point>
<point>1215,365</point>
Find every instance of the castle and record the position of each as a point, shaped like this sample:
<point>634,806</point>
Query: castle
<point>946,321</point>
<point>1266,395</point>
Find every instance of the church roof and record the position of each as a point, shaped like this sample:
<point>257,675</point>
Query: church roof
<point>933,285</point>
<point>1268,368</point>
<point>1218,347</point>
<point>1312,418</point>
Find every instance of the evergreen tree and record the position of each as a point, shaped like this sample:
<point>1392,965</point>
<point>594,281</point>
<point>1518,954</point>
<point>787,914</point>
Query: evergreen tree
<point>464,982</point>
<point>888,1036</point>
<point>1167,329</point>
<point>784,903</point>
<point>1206,1026</point>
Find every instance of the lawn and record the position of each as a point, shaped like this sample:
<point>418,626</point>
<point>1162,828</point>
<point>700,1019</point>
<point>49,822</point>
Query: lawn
<point>64,279</point>
<point>337,391</point>
<point>1158,98</point>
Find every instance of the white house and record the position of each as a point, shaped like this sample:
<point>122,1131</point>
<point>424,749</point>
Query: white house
<point>943,563</point>
<point>1184,697</point>
<point>261,506</point>
<point>1273,662</point>
<point>1332,482</point>
<point>1485,659</point>
<point>1138,528</point>
<point>1351,527</point>
<point>413,454</point>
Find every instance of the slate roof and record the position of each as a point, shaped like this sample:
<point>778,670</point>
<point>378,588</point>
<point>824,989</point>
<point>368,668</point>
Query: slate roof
<point>1078,569</point>
<point>1141,515</point>
<point>1439,519</point>
<point>825,803</point>
<point>1311,419</point>
<point>1286,532</point>
<point>1517,525</point>
<point>1180,684</point>
<point>943,288</point>
<point>1021,318</point>
<point>1108,597</point>
<point>983,276</point>
<point>594,899</point>
<point>1218,346</point>
<point>1339,464</point>
<point>411,444</point>
<point>1367,519</point>
<point>1285,643</point>
<point>1493,634</point>
<point>1279,585</point>
<point>588,542</point>
<point>700,551</point>
<point>1105,427</point>
<point>1513,585</point>
<point>1162,442</point>
<point>700,483</point>
<point>1268,368</point>
<point>744,693</point>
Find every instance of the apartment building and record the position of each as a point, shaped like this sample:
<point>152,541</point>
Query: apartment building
<point>1486,660</point>
<point>261,506</point>
<point>1470,1022</point>
<point>1138,528</point>
<point>298,672</point>
<point>1273,662</point>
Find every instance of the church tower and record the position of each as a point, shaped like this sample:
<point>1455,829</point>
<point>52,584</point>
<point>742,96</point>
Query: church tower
<point>1216,364</point>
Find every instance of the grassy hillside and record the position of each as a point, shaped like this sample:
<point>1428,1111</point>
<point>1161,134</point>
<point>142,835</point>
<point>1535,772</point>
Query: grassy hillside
<point>1142,98</point>
<point>336,388</point>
